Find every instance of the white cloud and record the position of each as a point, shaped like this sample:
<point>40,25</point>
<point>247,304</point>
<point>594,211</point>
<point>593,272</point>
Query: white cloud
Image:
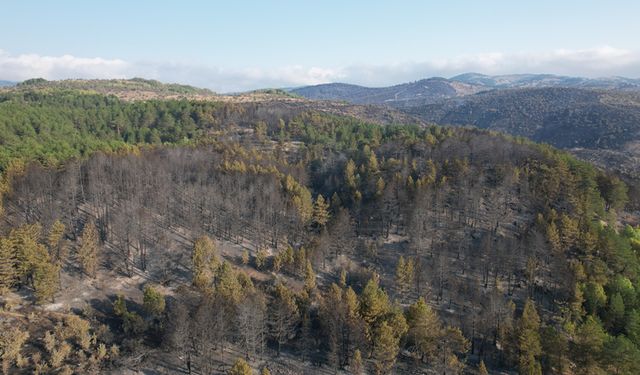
<point>595,62</point>
<point>26,66</point>
<point>21,67</point>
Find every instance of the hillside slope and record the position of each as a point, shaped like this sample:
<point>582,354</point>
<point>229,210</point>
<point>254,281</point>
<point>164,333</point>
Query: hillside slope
<point>127,89</point>
<point>564,117</point>
<point>547,80</point>
<point>305,242</point>
<point>414,93</point>
<point>434,90</point>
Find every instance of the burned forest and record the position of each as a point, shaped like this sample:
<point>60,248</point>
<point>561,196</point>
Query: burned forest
<point>201,236</point>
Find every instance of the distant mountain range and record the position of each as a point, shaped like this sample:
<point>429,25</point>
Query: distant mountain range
<point>561,116</point>
<point>602,126</point>
<point>433,90</point>
<point>597,119</point>
<point>7,83</point>
<point>546,80</point>
<point>425,91</point>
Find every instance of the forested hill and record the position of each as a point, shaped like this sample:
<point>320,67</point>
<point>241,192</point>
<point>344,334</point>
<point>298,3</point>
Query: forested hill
<point>511,81</point>
<point>420,92</point>
<point>569,118</point>
<point>175,235</point>
<point>128,89</point>
<point>595,118</point>
<point>52,124</point>
<point>563,117</point>
<point>436,89</point>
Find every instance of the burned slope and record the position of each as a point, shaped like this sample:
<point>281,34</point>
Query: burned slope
<point>316,223</point>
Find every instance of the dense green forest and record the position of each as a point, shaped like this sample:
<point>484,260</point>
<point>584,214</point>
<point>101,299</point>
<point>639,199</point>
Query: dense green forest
<point>125,87</point>
<point>266,233</point>
<point>55,126</point>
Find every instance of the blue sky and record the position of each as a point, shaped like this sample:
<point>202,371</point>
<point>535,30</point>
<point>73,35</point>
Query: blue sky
<point>238,45</point>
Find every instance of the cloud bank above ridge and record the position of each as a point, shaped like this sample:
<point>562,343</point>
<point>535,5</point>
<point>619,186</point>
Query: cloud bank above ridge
<point>594,62</point>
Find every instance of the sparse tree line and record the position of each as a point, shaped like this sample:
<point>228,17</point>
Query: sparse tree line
<point>338,327</point>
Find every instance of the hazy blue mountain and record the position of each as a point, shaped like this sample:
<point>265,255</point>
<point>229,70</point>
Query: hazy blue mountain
<point>546,80</point>
<point>564,117</point>
<point>432,90</point>
<point>425,91</point>
<point>7,83</point>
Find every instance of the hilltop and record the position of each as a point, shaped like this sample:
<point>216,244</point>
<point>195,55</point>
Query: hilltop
<point>127,89</point>
<point>547,80</point>
<point>425,91</point>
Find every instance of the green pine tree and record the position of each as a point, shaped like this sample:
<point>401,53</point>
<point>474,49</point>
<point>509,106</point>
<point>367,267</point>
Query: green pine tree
<point>88,250</point>
<point>8,262</point>
<point>240,367</point>
<point>529,341</point>
<point>482,369</point>
<point>385,348</point>
<point>425,329</point>
<point>320,212</point>
<point>205,261</point>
